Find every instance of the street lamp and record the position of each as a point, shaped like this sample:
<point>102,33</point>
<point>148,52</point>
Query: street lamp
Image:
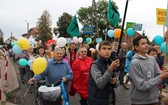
<point>27,26</point>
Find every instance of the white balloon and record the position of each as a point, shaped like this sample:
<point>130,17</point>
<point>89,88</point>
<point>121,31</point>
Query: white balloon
<point>75,39</point>
<point>61,42</point>
<point>91,49</point>
<point>97,46</point>
<point>80,39</point>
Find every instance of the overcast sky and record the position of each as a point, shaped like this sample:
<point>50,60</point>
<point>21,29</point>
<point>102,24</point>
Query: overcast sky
<point>13,13</point>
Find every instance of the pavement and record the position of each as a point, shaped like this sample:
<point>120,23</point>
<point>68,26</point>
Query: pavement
<point>12,83</point>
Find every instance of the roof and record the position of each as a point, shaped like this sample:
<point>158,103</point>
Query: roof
<point>35,29</point>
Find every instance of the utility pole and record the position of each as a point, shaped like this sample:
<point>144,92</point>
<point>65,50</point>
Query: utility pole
<point>94,16</point>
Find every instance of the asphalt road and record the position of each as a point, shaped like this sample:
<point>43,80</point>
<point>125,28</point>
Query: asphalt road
<point>122,97</point>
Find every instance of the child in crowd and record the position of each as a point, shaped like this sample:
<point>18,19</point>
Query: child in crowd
<point>101,81</point>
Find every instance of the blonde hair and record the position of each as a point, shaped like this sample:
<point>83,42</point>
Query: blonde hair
<point>31,47</point>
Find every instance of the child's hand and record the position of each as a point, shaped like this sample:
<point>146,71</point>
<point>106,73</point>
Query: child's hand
<point>164,68</point>
<point>164,74</point>
<point>113,80</point>
<point>114,65</point>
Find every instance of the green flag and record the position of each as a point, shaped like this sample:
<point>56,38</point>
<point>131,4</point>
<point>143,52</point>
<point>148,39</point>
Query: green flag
<point>112,14</point>
<point>73,28</point>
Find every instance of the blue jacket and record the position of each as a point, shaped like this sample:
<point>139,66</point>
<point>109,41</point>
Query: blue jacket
<point>55,71</point>
<point>129,57</point>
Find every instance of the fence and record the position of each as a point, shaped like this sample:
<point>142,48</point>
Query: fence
<point>4,56</point>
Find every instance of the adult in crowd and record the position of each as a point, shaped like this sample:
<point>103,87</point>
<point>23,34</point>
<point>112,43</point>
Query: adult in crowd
<point>72,53</point>
<point>88,51</point>
<point>50,51</point>
<point>81,68</point>
<point>38,44</point>
<point>122,58</point>
<point>160,57</point>
<point>56,70</point>
<point>114,55</point>
<point>64,55</point>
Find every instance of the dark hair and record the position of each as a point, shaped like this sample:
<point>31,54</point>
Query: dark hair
<point>108,43</point>
<point>40,48</point>
<point>65,51</point>
<point>137,39</point>
<point>152,49</point>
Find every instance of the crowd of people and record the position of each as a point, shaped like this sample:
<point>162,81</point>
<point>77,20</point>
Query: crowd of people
<point>94,73</point>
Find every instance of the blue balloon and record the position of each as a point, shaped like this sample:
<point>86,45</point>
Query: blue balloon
<point>12,44</point>
<point>130,32</point>
<point>158,40</point>
<point>16,49</point>
<point>110,33</point>
<point>29,63</point>
<point>87,40</point>
<point>66,103</point>
<point>163,48</point>
<point>22,62</point>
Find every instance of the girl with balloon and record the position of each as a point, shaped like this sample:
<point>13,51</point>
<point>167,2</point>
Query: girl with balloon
<point>41,53</point>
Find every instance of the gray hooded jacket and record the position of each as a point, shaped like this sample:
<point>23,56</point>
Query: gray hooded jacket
<point>144,77</point>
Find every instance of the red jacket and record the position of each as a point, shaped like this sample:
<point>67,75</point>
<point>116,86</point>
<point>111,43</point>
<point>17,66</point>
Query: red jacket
<point>80,70</point>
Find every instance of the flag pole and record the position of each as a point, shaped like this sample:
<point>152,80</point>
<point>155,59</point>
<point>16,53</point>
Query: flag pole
<point>122,28</point>
<point>165,55</point>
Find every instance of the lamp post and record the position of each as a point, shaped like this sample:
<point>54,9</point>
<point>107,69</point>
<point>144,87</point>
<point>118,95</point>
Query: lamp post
<point>27,26</point>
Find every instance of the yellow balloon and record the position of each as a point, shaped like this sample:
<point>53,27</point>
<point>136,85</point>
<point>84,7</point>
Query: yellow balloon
<point>39,65</point>
<point>23,43</point>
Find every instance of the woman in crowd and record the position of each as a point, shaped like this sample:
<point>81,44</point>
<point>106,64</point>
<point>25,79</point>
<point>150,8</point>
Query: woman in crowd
<point>80,68</point>
<point>50,52</point>
<point>64,56</point>
<point>41,53</point>
<point>57,69</point>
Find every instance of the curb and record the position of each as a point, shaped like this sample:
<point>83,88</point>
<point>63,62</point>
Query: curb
<point>17,85</point>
